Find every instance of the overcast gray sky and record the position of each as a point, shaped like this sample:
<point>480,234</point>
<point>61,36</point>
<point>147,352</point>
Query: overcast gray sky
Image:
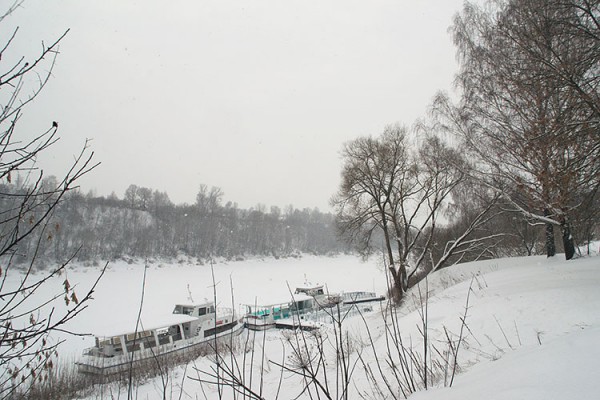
<point>255,96</point>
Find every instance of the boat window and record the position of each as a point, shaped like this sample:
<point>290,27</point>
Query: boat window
<point>162,331</point>
<point>202,311</point>
<point>179,309</point>
<point>212,309</point>
<point>139,335</point>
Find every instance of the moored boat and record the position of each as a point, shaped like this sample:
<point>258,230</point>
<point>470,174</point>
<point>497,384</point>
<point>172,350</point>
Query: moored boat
<point>305,300</point>
<point>189,327</point>
<point>307,307</point>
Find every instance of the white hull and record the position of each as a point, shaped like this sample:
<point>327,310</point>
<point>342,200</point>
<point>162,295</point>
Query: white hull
<point>256,324</point>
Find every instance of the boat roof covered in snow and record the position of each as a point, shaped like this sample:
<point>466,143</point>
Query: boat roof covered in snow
<point>146,324</point>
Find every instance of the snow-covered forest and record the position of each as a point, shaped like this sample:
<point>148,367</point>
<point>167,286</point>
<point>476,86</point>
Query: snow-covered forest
<point>146,224</point>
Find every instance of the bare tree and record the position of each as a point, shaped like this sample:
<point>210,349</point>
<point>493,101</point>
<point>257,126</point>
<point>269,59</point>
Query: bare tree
<point>395,194</point>
<point>372,168</point>
<point>131,196</point>
<point>208,201</point>
<point>529,106</point>
<point>28,200</point>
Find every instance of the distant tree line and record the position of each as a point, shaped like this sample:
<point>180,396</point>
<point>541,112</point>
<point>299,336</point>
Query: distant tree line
<point>146,223</point>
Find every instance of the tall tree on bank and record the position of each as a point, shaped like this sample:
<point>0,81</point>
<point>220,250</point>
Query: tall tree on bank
<point>394,193</point>
<point>529,80</point>
<point>30,312</point>
<point>372,168</point>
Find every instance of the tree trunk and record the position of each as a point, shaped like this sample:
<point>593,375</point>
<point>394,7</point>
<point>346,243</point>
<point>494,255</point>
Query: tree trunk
<point>388,246</point>
<point>550,246</point>
<point>567,238</point>
<point>396,291</point>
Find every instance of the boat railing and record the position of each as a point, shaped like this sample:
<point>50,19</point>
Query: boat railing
<point>222,311</point>
<point>136,355</point>
<point>329,315</point>
<point>358,295</point>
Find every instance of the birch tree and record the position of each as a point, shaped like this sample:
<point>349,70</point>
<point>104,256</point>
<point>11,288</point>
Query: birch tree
<point>529,108</point>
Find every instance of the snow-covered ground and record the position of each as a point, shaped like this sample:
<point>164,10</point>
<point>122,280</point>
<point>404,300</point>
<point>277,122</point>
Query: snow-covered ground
<point>535,329</point>
<point>532,324</point>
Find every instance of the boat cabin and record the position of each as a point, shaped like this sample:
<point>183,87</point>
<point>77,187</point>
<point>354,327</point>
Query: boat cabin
<point>321,298</point>
<point>146,337</point>
<point>195,310</point>
<point>187,321</point>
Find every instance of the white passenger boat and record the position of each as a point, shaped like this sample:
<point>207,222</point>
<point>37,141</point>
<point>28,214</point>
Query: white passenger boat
<point>190,327</point>
<point>263,317</point>
<point>308,306</point>
<point>290,314</point>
